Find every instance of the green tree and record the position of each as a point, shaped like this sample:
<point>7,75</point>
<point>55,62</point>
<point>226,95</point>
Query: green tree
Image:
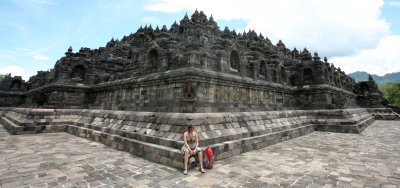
<point>1,77</point>
<point>392,93</point>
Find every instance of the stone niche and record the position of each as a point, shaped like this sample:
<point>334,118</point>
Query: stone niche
<point>78,73</point>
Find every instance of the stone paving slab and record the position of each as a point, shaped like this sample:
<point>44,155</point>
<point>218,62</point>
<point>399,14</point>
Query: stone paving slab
<point>319,159</point>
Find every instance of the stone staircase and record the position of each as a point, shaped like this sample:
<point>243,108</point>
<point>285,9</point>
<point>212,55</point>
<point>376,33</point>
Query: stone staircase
<point>159,136</point>
<point>383,114</point>
<point>343,121</point>
<point>33,121</point>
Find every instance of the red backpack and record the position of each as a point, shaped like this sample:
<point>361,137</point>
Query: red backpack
<point>208,158</point>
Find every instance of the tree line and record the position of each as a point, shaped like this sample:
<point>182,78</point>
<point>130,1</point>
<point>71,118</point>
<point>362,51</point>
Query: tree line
<point>391,90</point>
<point>1,77</point>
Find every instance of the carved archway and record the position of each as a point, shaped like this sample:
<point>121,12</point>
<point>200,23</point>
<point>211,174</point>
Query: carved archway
<point>308,76</point>
<point>364,88</point>
<point>235,60</point>
<point>15,85</point>
<point>283,74</point>
<point>263,68</point>
<point>78,72</point>
<point>153,60</point>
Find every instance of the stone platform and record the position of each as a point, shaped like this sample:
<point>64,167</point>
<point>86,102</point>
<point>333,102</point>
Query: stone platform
<point>317,159</point>
<point>158,136</point>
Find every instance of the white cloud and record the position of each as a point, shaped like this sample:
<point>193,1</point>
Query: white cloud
<point>8,54</point>
<point>15,71</point>
<point>41,57</point>
<point>10,51</point>
<point>334,28</point>
<point>17,53</point>
<point>384,59</point>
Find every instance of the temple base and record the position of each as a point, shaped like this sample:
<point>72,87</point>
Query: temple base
<point>158,136</point>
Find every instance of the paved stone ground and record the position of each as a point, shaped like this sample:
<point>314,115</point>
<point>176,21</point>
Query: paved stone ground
<point>319,159</point>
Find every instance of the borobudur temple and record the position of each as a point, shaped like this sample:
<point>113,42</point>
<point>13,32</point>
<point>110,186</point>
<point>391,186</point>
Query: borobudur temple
<point>241,91</point>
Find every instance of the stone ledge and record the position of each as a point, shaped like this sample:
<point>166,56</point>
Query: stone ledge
<point>232,148</point>
<point>18,130</point>
<point>153,152</point>
<point>349,127</point>
<point>10,126</point>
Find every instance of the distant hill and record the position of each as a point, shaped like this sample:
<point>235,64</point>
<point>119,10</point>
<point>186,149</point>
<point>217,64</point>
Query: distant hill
<point>363,76</point>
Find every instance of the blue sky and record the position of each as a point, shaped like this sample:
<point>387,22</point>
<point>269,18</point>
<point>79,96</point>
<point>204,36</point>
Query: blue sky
<point>391,12</point>
<point>36,33</point>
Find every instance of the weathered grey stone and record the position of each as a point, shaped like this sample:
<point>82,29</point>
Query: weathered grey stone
<point>192,67</point>
<point>241,92</point>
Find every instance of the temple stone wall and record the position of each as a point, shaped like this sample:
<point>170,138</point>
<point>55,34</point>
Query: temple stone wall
<point>12,89</point>
<point>191,67</point>
<point>196,90</point>
<point>152,97</point>
<point>11,99</point>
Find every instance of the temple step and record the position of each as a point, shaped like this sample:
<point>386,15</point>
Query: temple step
<point>11,126</point>
<point>173,157</point>
<point>159,136</point>
<point>153,152</point>
<point>236,147</point>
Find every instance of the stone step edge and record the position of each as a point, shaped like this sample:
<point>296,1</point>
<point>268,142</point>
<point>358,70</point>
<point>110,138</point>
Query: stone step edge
<point>164,142</point>
<point>172,156</point>
<point>15,129</point>
<point>187,117</point>
<point>153,152</point>
<point>17,121</point>
<point>338,128</point>
<point>340,121</point>
<point>178,144</point>
<point>232,148</point>
<point>364,124</point>
<point>10,126</point>
<point>94,120</point>
<point>35,122</point>
<point>386,116</point>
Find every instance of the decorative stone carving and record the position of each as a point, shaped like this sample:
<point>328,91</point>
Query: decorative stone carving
<point>189,96</point>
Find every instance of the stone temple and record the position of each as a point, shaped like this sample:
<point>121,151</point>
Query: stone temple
<point>241,91</point>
